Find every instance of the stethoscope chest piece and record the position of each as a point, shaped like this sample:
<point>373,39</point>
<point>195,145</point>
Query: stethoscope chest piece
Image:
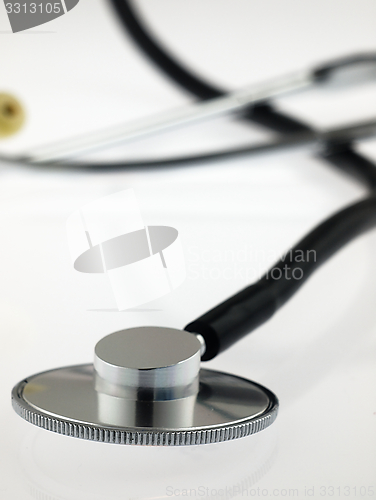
<point>146,388</point>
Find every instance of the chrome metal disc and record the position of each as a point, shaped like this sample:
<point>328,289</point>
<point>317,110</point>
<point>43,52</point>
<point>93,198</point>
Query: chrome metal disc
<point>68,401</point>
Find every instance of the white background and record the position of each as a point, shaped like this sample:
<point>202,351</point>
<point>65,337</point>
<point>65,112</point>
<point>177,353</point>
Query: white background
<point>81,73</point>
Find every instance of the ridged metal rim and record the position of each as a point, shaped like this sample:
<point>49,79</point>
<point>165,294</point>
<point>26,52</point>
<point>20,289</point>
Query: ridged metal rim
<point>144,437</point>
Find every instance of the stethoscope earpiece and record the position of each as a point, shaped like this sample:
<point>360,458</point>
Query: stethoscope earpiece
<point>146,387</point>
<point>12,115</point>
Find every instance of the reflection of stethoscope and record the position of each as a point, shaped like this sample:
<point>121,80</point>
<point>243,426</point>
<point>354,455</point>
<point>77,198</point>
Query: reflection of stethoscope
<point>146,385</point>
<point>208,470</point>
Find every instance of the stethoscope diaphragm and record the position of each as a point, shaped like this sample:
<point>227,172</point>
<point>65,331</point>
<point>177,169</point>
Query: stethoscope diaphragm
<point>146,388</point>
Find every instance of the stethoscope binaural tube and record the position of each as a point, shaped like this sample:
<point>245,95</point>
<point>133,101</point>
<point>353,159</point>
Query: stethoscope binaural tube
<point>234,102</point>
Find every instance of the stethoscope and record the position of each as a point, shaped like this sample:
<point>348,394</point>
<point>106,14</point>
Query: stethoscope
<point>146,385</point>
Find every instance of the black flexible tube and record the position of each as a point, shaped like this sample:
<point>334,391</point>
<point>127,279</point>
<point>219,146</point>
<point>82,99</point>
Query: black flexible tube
<point>263,114</point>
<point>228,322</point>
<point>225,324</point>
<point>159,55</point>
<point>237,316</point>
<point>349,161</point>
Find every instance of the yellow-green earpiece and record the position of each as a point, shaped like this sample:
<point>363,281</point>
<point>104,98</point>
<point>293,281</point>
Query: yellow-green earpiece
<point>12,115</point>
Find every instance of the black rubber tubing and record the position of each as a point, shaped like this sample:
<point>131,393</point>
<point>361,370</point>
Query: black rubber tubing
<point>227,323</point>
<point>263,114</point>
<point>237,316</point>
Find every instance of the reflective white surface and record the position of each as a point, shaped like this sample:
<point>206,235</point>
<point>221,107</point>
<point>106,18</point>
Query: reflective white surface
<point>317,354</point>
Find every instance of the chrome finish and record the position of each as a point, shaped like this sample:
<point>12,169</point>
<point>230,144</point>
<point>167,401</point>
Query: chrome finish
<point>202,342</point>
<point>345,71</point>
<point>358,131</point>
<point>66,401</point>
<point>235,102</point>
<point>145,387</point>
<point>148,363</point>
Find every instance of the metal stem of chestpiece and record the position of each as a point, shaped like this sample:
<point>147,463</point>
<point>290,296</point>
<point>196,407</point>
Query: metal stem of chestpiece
<point>146,387</point>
